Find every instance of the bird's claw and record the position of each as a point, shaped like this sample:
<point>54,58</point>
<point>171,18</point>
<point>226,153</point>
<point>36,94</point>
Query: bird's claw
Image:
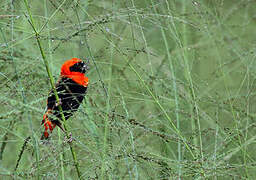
<point>68,138</point>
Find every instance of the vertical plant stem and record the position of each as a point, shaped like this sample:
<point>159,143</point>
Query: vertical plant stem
<point>35,143</point>
<point>53,87</point>
<point>62,174</point>
<point>143,37</point>
<point>172,70</point>
<point>106,125</point>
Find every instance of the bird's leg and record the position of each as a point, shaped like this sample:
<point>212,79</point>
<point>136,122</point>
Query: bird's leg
<point>68,138</point>
<point>60,126</point>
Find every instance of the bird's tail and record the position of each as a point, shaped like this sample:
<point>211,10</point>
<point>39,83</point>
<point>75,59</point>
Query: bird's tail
<point>48,126</point>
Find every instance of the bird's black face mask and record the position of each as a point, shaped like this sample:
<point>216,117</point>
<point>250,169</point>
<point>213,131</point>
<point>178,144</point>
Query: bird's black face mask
<point>81,67</point>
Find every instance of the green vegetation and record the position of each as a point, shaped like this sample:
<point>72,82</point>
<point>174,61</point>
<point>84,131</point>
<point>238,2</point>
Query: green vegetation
<point>171,93</point>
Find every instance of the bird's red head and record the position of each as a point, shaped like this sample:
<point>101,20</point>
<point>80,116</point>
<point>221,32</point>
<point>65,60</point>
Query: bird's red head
<point>75,69</point>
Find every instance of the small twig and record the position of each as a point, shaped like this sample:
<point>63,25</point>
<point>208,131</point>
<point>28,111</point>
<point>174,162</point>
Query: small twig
<point>5,138</point>
<point>21,152</point>
<point>7,16</point>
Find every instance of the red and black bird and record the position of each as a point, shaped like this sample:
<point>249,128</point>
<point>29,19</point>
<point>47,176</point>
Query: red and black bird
<point>71,89</point>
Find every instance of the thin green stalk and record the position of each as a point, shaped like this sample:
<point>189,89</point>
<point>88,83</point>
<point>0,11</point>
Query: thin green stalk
<point>20,87</point>
<point>50,57</point>
<point>92,57</point>
<point>216,144</point>
<point>107,92</point>
<point>53,87</point>
<point>224,73</point>
<point>172,70</point>
<point>106,125</point>
<point>53,14</point>
<point>143,37</point>
<point>184,55</point>
<point>194,108</point>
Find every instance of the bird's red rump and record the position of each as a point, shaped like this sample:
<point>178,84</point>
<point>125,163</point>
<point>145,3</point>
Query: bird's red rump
<point>47,125</point>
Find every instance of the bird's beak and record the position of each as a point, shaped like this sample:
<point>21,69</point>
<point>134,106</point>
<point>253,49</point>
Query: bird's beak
<point>85,68</point>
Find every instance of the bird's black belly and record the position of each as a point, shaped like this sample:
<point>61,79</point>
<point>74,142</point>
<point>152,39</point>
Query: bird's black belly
<point>71,96</point>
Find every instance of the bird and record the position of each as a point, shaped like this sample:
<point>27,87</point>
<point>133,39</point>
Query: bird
<point>71,89</point>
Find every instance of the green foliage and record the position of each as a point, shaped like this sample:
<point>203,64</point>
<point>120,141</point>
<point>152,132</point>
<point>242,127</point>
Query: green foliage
<point>171,93</point>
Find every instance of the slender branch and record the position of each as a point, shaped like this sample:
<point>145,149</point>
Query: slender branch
<point>37,35</point>
<point>21,152</point>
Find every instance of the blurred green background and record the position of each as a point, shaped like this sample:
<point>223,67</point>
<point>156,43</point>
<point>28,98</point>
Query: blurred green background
<point>171,92</point>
